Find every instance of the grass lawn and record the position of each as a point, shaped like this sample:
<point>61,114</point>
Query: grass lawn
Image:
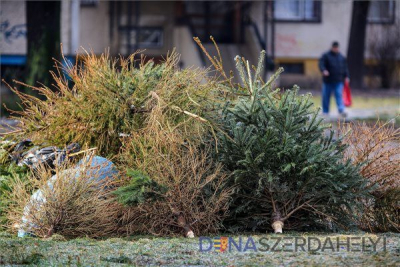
<point>146,250</point>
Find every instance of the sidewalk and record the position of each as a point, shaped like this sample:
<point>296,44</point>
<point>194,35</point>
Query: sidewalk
<point>365,113</point>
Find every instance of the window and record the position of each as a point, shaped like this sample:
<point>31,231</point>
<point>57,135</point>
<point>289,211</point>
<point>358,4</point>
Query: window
<point>89,3</point>
<point>149,37</point>
<point>297,10</point>
<point>381,12</point>
<point>292,68</point>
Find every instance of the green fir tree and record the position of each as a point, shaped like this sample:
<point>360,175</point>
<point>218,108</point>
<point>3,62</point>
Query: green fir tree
<point>140,189</point>
<point>287,171</point>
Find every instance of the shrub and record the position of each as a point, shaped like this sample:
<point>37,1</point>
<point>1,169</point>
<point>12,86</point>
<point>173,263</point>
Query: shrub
<point>286,171</point>
<point>72,203</point>
<point>377,149</point>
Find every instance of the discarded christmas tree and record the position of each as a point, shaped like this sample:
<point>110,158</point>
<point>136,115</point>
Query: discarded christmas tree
<point>286,170</point>
<point>377,149</point>
<point>101,101</point>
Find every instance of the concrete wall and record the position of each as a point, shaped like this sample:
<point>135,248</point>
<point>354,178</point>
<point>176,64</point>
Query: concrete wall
<point>186,47</point>
<point>381,31</point>
<point>310,40</point>
<point>294,41</point>
<point>153,14</point>
<point>94,23</point>
<point>65,33</point>
<point>94,28</point>
<point>159,14</point>
<point>13,27</point>
<point>304,42</point>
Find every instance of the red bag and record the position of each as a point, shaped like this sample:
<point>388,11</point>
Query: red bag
<point>346,94</point>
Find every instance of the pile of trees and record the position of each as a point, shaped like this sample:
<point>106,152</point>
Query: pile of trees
<point>195,153</point>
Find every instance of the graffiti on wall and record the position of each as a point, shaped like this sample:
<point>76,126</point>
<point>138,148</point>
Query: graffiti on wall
<point>9,33</point>
<point>287,43</point>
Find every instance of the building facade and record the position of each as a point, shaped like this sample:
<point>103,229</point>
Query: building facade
<point>293,32</point>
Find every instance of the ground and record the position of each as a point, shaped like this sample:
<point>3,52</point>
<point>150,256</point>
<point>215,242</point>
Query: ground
<point>366,107</point>
<point>150,251</point>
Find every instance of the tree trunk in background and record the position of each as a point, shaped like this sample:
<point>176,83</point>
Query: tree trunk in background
<point>355,52</point>
<point>43,25</point>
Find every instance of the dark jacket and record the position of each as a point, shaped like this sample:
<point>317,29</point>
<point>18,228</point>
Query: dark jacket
<point>336,64</point>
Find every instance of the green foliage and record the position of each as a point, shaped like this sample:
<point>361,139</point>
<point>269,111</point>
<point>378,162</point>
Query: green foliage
<point>140,189</point>
<point>284,166</point>
<point>108,99</point>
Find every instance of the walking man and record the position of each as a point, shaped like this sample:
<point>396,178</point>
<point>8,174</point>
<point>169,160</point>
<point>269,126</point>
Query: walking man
<point>334,70</point>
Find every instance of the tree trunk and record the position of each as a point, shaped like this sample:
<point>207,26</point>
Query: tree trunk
<point>385,76</point>
<point>277,222</point>
<point>43,25</point>
<point>355,52</point>
<point>182,223</point>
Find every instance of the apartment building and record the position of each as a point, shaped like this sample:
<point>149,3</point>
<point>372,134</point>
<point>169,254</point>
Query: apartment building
<point>293,32</point>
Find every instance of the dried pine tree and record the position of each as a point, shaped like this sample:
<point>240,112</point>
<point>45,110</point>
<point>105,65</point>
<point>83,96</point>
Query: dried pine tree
<point>74,202</point>
<point>175,188</point>
<point>102,99</point>
<point>377,149</point>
